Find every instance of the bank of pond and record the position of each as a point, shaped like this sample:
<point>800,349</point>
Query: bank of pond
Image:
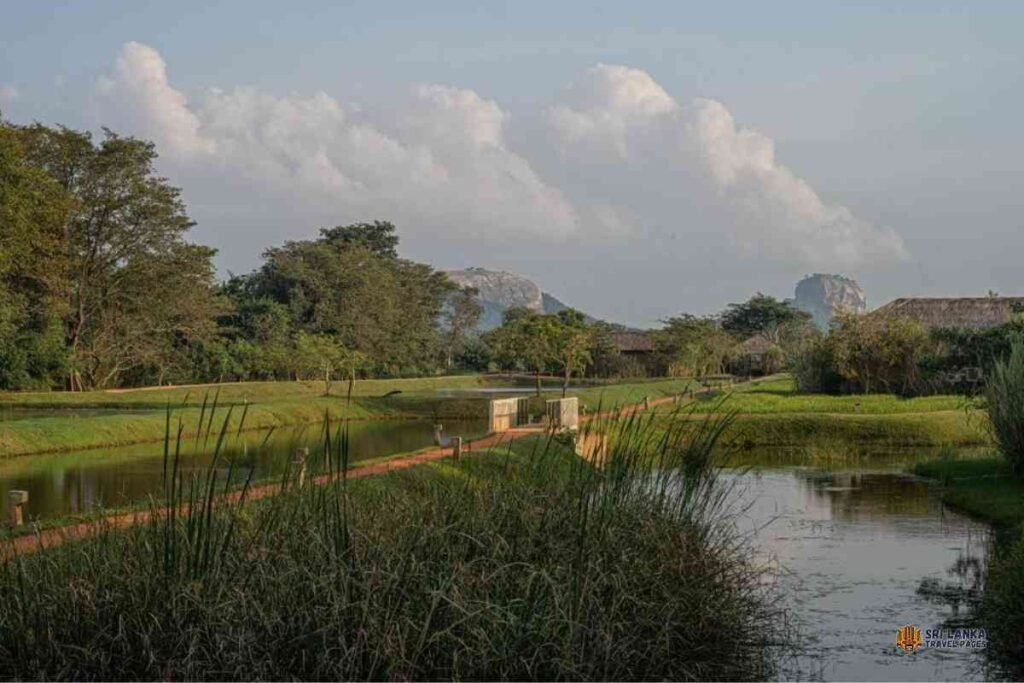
<point>694,551</point>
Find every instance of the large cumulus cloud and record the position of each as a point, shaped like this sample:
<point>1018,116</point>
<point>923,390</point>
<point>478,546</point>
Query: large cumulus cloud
<point>621,119</point>
<point>630,161</point>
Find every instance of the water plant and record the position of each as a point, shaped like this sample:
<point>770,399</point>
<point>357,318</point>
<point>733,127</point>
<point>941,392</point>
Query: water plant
<point>1004,394</point>
<point>524,562</point>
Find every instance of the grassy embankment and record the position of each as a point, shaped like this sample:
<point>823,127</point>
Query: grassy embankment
<point>523,563</point>
<point>141,414</point>
<point>771,413</point>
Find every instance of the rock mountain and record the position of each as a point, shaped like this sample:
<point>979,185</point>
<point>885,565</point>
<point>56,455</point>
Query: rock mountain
<point>823,296</point>
<point>500,291</point>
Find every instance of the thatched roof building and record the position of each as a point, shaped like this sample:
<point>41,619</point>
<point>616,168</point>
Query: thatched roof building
<point>968,312</point>
<point>633,343</point>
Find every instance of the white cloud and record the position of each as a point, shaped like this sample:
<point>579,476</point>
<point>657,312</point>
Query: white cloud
<point>8,93</point>
<point>618,113</point>
<point>631,160</point>
<point>445,170</point>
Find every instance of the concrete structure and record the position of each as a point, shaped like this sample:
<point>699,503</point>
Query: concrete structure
<point>507,413</point>
<point>15,503</point>
<point>564,413</point>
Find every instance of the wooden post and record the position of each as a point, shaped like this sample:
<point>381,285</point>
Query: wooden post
<point>15,502</point>
<point>299,461</point>
<point>456,447</point>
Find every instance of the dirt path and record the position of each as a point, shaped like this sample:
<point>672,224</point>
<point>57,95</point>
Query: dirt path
<point>49,538</point>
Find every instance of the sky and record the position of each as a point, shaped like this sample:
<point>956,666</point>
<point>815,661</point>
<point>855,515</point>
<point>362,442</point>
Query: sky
<point>637,160</point>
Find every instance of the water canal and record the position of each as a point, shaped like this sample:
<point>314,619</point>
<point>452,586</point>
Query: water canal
<point>860,550</point>
<point>858,547</point>
<point>76,483</point>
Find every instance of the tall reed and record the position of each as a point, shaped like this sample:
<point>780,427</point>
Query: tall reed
<point>525,562</point>
<point>1004,398</point>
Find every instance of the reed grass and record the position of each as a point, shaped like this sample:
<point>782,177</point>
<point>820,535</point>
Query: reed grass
<point>525,562</point>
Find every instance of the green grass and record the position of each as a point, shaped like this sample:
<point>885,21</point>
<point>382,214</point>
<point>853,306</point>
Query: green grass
<point>629,393</point>
<point>270,404</point>
<point>235,392</point>
<point>779,396</point>
<point>984,488</point>
<point>770,413</point>
<point>58,434</point>
<point>948,428</point>
<point>523,563</point>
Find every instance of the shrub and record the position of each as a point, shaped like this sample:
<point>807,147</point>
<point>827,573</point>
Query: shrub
<point>527,563</point>
<point>1004,397</point>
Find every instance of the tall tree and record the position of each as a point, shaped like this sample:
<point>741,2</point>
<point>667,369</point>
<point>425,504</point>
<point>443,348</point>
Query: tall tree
<point>130,272</point>
<point>572,340</point>
<point>33,270</point>
<point>762,315</point>
<point>461,314</point>
<point>688,345</point>
<point>348,285</point>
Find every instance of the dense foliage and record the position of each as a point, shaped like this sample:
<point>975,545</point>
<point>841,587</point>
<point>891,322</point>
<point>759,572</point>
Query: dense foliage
<point>99,286</point>
<point>529,564</point>
<point>1004,398</point>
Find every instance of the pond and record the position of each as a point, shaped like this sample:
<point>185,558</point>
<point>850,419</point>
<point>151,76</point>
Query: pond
<point>73,483</point>
<point>862,549</point>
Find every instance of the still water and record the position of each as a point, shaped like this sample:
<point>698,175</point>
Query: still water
<point>860,551</point>
<point>74,483</point>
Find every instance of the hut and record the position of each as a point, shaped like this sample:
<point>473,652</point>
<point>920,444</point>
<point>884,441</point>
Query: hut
<point>758,355</point>
<point>633,344</point>
<point>968,313</point>
<point>972,313</point>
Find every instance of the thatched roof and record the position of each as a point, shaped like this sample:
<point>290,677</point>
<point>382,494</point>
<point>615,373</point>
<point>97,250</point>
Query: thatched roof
<point>756,345</point>
<point>632,342</point>
<point>968,312</point>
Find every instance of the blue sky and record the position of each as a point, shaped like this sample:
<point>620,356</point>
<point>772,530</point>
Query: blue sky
<point>905,114</point>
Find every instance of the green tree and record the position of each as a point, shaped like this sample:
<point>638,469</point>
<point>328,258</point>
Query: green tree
<point>319,354</point>
<point>762,315</point>
<point>526,340</point>
<point>691,346</point>
<point>135,290</point>
<point>461,314</point>
<point>571,343</point>
<point>385,307</point>
<point>33,271</point>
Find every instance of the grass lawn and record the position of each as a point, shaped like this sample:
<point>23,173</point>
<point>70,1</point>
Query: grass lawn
<point>233,392</point>
<point>778,395</point>
<point>984,488</point>
<point>770,413</point>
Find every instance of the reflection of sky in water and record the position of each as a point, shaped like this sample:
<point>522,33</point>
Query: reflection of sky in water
<point>78,482</point>
<point>852,549</point>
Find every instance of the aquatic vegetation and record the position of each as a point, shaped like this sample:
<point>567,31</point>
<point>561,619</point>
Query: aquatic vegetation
<point>525,562</point>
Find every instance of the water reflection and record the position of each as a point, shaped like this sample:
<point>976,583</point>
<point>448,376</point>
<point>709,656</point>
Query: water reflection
<point>75,483</point>
<point>854,549</point>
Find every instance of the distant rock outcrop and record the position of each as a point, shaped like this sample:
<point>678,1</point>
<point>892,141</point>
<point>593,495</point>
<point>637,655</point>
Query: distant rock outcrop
<point>824,296</point>
<point>500,291</point>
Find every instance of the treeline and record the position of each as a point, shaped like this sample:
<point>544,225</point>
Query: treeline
<point>746,338</point>
<point>871,353</point>
<point>99,286</point>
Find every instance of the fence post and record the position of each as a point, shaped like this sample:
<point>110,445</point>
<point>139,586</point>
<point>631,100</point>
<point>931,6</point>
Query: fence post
<point>15,502</point>
<point>456,447</point>
<point>299,460</point>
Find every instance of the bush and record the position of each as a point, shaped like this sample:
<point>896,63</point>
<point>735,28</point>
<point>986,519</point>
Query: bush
<point>1003,608</point>
<point>1004,394</point>
<point>519,564</point>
